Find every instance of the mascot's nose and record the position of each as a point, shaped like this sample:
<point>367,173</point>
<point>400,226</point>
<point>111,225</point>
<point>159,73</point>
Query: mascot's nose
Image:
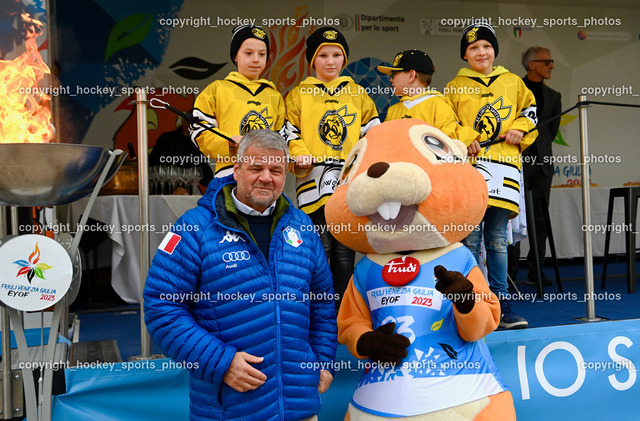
<point>377,170</point>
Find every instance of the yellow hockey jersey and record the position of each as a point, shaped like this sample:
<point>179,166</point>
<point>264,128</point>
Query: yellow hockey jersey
<point>493,104</point>
<point>325,120</point>
<point>432,107</point>
<point>234,106</point>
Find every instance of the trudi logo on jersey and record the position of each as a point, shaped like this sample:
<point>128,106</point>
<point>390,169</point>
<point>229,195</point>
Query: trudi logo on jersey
<point>254,120</point>
<point>292,236</point>
<point>400,271</point>
<point>230,237</point>
<point>169,243</point>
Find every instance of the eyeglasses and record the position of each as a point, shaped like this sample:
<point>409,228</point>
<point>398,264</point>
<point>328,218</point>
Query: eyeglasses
<point>395,72</point>
<point>546,62</point>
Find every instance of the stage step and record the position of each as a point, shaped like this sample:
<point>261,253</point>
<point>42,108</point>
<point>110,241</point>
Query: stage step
<point>94,352</point>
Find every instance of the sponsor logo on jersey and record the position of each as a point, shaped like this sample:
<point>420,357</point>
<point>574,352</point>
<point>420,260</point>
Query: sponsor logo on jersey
<point>451,353</point>
<point>400,271</point>
<point>333,127</point>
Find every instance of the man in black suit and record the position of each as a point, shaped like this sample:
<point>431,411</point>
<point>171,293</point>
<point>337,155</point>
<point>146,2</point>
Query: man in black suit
<point>537,166</point>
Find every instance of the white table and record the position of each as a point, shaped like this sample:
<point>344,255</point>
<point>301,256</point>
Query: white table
<point>121,214</point>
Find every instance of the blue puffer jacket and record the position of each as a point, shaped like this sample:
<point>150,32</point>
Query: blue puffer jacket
<point>215,294</point>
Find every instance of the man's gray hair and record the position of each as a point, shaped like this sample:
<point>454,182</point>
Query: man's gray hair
<point>530,54</point>
<point>267,139</point>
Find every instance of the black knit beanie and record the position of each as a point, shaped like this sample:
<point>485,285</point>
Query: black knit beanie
<point>325,36</point>
<point>244,32</point>
<point>475,32</point>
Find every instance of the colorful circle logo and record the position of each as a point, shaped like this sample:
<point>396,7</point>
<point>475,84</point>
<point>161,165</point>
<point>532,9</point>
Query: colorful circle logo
<point>37,272</point>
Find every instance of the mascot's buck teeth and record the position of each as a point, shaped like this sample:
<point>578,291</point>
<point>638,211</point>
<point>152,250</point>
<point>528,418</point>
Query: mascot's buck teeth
<point>389,210</point>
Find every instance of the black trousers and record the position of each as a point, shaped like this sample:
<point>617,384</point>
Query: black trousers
<point>534,180</point>
<point>341,258</point>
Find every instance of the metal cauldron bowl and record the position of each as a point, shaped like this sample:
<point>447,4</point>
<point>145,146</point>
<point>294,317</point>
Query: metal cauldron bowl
<point>40,174</point>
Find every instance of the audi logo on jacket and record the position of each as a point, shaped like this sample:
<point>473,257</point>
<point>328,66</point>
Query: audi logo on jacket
<point>234,256</point>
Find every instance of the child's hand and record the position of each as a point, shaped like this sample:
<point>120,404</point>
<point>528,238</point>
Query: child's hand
<point>512,137</point>
<point>233,146</point>
<point>304,161</point>
<point>473,149</point>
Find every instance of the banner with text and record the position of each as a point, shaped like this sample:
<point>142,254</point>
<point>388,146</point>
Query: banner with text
<point>582,371</point>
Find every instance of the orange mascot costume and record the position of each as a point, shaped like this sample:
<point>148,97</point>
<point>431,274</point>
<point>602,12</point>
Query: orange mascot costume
<point>417,306</point>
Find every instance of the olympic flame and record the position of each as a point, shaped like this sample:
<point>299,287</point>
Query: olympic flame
<point>24,108</point>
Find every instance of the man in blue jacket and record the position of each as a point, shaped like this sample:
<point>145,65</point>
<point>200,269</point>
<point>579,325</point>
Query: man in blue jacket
<point>240,291</point>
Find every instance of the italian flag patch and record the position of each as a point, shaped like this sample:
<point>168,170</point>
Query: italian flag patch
<point>169,243</point>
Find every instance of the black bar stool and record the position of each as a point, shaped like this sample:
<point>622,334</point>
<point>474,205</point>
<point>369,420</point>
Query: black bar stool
<point>530,196</point>
<point>630,196</point>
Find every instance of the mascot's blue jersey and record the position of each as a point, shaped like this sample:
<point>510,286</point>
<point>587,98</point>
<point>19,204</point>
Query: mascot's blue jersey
<point>441,369</point>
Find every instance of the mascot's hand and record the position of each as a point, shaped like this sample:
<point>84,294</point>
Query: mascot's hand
<point>457,288</point>
<point>383,346</point>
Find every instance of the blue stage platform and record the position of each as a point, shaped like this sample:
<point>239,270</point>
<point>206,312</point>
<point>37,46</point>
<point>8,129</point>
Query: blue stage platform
<point>580,371</point>
<point>559,369</point>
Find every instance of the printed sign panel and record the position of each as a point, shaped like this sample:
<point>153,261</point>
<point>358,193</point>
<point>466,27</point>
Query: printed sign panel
<point>35,272</point>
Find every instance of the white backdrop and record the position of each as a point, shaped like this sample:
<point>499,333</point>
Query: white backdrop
<point>605,62</point>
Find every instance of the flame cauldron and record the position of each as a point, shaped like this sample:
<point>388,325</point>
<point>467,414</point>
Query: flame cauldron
<point>40,174</point>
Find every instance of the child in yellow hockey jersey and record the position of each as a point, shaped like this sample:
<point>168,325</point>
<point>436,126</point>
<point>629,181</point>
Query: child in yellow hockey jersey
<point>239,103</point>
<point>326,115</point>
<point>502,111</point>
<point>411,74</point>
